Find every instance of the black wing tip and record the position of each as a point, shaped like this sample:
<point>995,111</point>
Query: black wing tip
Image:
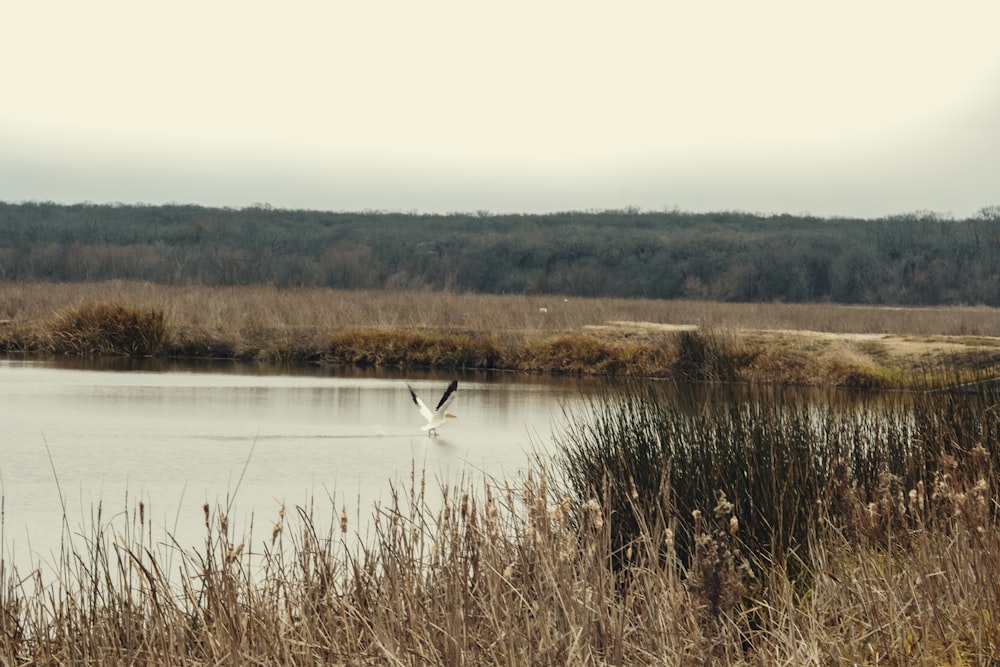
<point>447,392</point>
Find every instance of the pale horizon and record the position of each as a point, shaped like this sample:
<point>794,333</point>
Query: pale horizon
<point>854,109</point>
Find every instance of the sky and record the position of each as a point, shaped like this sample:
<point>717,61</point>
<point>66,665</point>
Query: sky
<point>849,108</point>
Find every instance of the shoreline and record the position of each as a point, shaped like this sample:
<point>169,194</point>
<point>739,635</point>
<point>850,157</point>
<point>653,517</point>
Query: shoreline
<point>790,344</point>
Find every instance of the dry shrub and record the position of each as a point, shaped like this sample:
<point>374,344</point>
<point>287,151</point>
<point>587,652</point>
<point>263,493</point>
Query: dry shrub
<point>572,354</point>
<point>109,329</point>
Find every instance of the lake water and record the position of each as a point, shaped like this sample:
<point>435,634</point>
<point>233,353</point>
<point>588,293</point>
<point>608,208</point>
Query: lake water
<point>244,439</point>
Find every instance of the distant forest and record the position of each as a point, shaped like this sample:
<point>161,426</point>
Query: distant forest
<point>912,259</point>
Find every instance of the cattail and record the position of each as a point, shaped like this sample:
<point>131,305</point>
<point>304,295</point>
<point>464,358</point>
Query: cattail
<point>696,514</point>
<point>595,513</point>
<point>142,513</point>
<point>224,524</point>
<point>561,511</point>
<point>205,509</point>
<point>343,519</point>
<point>234,553</point>
<point>734,525</point>
<point>979,454</point>
<point>275,532</point>
<point>566,552</point>
<point>723,507</point>
<point>491,518</point>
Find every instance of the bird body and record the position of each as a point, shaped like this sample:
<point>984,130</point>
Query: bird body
<point>437,417</point>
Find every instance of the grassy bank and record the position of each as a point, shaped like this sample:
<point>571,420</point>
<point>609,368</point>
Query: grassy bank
<point>718,554</point>
<point>759,343</point>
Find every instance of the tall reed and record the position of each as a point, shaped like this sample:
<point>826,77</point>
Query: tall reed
<point>512,572</point>
<point>785,463</point>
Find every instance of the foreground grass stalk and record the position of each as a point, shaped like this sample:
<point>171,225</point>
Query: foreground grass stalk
<point>528,574</point>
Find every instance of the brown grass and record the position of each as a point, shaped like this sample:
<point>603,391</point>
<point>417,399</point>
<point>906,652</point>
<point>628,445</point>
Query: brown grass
<point>503,575</point>
<point>790,343</point>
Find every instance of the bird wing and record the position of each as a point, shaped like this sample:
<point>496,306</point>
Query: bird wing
<point>446,398</point>
<point>424,410</point>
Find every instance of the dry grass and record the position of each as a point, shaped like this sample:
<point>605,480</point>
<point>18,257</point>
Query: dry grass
<point>503,575</point>
<point>789,343</point>
<point>252,308</point>
<point>894,560</point>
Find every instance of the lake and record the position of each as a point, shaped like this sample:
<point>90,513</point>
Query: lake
<point>246,439</point>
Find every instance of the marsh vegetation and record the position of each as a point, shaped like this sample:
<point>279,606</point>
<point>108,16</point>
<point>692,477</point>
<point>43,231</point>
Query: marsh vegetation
<point>675,527</point>
<point>802,344</point>
<point>734,524</point>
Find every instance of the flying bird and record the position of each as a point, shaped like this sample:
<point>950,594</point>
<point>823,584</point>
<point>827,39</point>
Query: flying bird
<point>437,418</point>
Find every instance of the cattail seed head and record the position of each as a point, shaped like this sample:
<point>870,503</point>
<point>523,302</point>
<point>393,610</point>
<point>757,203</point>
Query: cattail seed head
<point>234,553</point>
<point>596,515</point>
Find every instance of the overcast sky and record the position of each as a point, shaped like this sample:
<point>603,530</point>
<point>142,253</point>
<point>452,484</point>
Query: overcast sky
<point>861,108</point>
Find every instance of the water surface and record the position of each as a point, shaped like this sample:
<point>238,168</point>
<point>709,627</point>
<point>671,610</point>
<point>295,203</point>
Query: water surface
<point>245,440</point>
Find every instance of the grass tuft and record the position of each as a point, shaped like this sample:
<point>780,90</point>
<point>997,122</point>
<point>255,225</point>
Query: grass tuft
<point>108,329</point>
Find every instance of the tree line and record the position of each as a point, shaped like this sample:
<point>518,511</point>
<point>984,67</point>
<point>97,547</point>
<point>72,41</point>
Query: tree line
<point>909,259</point>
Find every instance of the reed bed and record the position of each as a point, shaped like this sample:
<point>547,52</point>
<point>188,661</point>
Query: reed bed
<point>256,308</point>
<point>806,344</point>
<point>759,530</point>
<point>785,462</point>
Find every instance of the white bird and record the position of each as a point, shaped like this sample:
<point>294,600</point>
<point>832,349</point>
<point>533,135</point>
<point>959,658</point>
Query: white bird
<point>437,418</point>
